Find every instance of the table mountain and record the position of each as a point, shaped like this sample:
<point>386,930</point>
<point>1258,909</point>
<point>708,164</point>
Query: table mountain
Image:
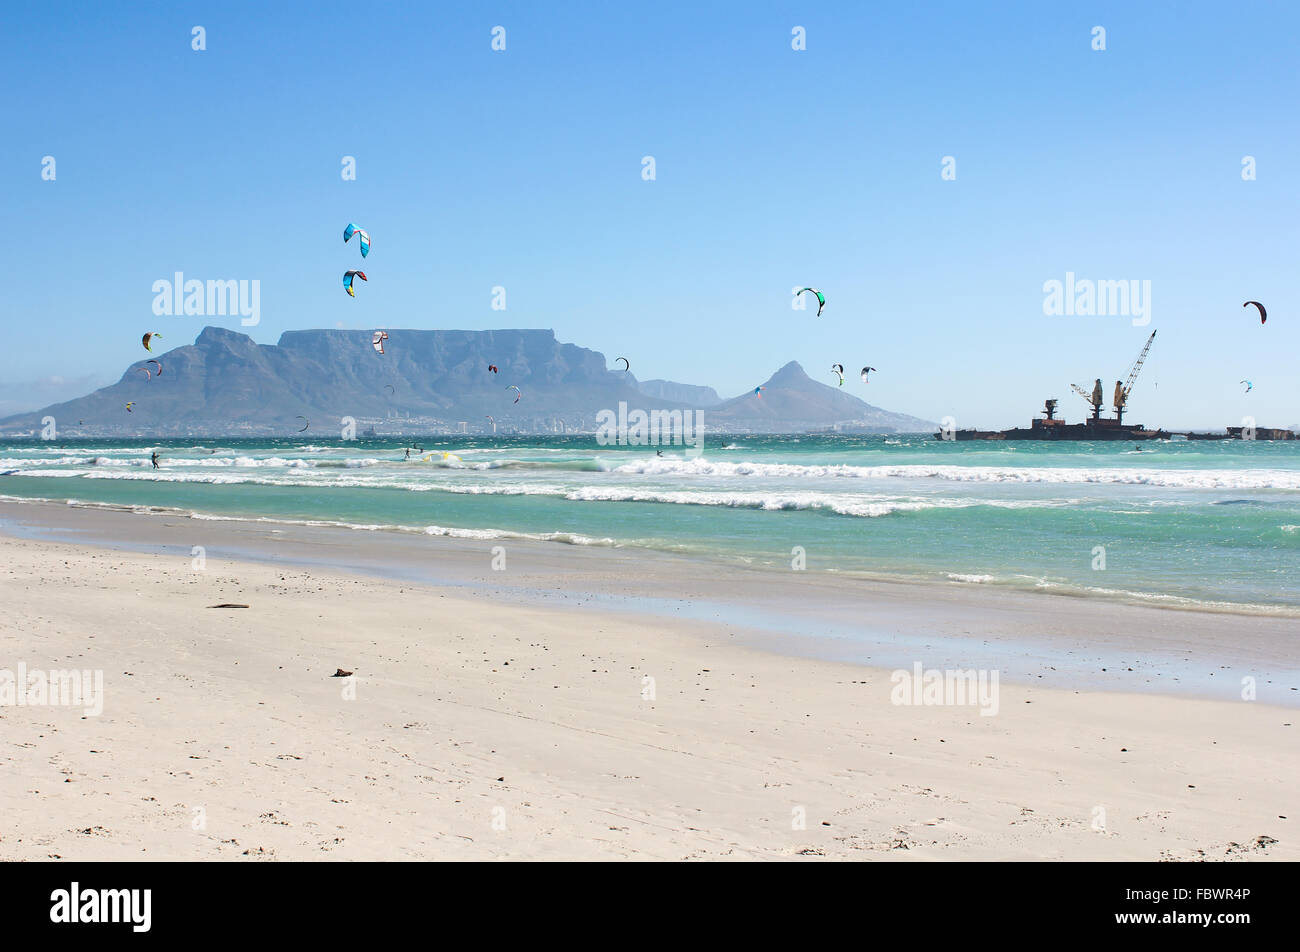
<point>226,384</point>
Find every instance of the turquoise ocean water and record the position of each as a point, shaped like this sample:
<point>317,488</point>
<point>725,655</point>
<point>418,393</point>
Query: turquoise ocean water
<point>1181,523</point>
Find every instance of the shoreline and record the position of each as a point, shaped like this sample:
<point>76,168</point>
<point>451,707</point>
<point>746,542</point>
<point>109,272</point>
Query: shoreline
<point>1162,601</point>
<point>482,727</point>
<point>1173,598</point>
<point>1185,529</point>
<point>1063,642</point>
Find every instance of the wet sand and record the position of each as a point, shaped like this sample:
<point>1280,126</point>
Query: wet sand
<point>599,704</point>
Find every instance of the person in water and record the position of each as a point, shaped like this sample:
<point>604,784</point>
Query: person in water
<point>154,459</point>
<point>408,454</point>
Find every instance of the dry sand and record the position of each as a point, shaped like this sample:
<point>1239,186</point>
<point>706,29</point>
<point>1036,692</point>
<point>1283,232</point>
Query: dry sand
<point>478,727</point>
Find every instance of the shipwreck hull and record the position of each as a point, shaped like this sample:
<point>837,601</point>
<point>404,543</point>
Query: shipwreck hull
<point>1262,434</point>
<point>1066,432</point>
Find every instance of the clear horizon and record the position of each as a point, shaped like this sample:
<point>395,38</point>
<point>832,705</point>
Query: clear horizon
<point>775,168</point>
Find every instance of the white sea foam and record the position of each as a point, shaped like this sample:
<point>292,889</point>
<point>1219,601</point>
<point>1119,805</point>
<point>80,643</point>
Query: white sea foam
<point>1173,479</point>
<point>847,504</point>
<point>570,538</point>
<point>844,504</point>
<point>702,467</point>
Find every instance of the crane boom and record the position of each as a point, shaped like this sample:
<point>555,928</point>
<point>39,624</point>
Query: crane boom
<point>1093,398</point>
<point>1137,366</point>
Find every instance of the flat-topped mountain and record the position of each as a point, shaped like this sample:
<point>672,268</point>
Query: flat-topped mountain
<point>225,383</point>
<point>680,392</point>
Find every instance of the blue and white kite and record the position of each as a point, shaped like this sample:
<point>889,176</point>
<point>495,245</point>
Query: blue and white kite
<point>351,230</point>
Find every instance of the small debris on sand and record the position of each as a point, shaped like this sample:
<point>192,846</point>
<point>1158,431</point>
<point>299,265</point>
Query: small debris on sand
<point>228,605</point>
<point>340,673</point>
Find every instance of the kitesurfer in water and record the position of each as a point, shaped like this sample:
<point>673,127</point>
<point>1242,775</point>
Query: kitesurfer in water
<point>154,459</point>
<point>408,453</point>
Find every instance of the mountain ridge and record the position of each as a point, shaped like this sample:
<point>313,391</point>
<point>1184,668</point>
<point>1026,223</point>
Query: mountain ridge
<point>427,380</point>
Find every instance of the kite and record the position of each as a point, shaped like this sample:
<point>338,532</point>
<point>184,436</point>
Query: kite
<point>148,337</point>
<point>305,420</point>
<point>389,386</point>
<point>865,371</point>
<point>838,370</point>
<point>143,370</point>
<point>1249,386</point>
<point>493,368</point>
<point>758,391</point>
<point>518,393</point>
<point>347,280</point>
<point>351,230</point>
<point>1263,314</point>
<point>821,299</point>
<point>626,363</point>
<point>158,372</point>
<point>129,406</point>
<point>378,337</point>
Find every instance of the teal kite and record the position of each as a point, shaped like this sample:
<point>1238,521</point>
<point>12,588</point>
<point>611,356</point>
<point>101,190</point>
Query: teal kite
<point>364,236</point>
<point>821,299</point>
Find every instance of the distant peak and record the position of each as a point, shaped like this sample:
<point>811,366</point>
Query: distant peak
<point>791,374</point>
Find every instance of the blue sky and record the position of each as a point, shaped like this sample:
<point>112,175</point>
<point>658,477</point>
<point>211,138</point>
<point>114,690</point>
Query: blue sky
<point>775,168</point>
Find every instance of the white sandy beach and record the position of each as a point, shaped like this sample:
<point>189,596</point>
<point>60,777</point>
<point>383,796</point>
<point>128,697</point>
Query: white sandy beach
<point>497,728</point>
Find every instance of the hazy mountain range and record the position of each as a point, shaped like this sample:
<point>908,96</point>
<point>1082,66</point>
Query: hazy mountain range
<point>427,380</point>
